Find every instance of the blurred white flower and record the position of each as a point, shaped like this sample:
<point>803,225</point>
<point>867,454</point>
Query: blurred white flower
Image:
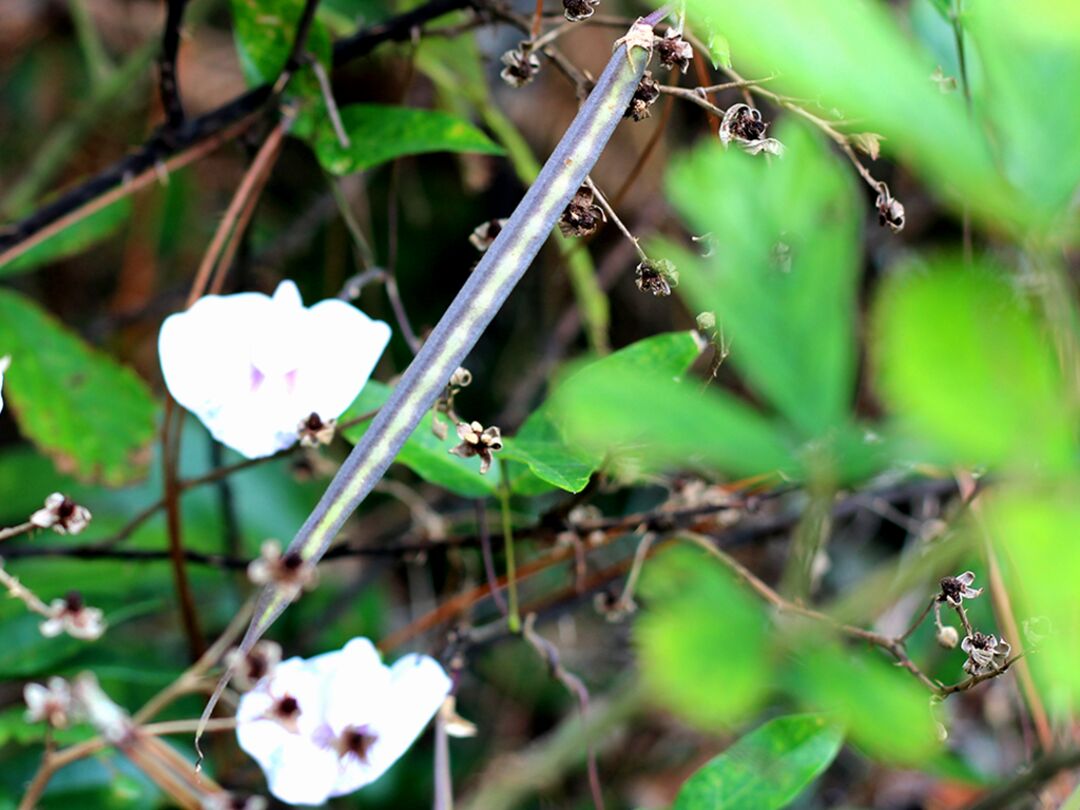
<point>72,616</point>
<point>62,515</point>
<point>50,703</point>
<point>252,367</point>
<point>350,719</point>
<point>5,361</point>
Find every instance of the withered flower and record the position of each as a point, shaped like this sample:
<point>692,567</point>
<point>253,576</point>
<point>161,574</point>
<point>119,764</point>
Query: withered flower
<point>478,441</point>
<point>890,210</point>
<point>288,571</point>
<point>955,590</point>
<point>72,616</point>
<point>674,51</point>
<point>484,234</point>
<point>521,66</point>
<point>313,431</point>
<point>743,126</point>
<point>62,515</point>
<point>656,276</point>
<point>259,663</point>
<point>577,10</point>
<point>648,91</point>
<point>986,653</point>
<point>582,216</point>
<point>50,703</point>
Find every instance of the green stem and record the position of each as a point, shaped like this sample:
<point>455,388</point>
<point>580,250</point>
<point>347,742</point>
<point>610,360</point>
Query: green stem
<point>514,618</point>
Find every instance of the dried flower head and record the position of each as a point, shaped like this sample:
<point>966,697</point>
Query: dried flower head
<point>577,10</point>
<point>476,440</point>
<point>890,210</point>
<point>259,663</point>
<point>955,590</point>
<point>62,515</point>
<point>648,91</point>
<point>986,654</point>
<point>484,234</point>
<point>582,216</point>
<point>948,637</point>
<point>521,66</point>
<point>674,51</point>
<point>656,276</point>
<point>706,322</point>
<point>71,615</point>
<point>461,378</point>
<point>314,432</point>
<point>287,571</point>
<point>51,703</point>
<point>744,126</point>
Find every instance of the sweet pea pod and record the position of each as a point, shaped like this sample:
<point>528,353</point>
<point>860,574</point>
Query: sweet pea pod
<point>503,264</point>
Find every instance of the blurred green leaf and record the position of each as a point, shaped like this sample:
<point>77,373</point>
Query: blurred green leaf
<point>73,239</point>
<point>874,75</point>
<point>964,362</point>
<point>265,31</point>
<point>424,453</point>
<point>782,278</point>
<point>540,445</point>
<point>702,640</point>
<point>767,768</point>
<point>1037,531</point>
<point>381,132</point>
<point>887,712</point>
<point>91,415</point>
<point>14,728</point>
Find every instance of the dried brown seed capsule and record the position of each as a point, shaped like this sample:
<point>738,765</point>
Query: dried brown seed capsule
<point>577,10</point>
<point>521,66</point>
<point>648,91</point>
<point>674,51</point>
<point>656,276</point>
<point>582,216</point>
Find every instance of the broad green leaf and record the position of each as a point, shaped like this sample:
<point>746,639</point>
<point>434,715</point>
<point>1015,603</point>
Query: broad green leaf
<point>540,445</point>
<point>381,132</point>
<point>424,453</point>
<point>886,712</point>
<point>876,76</point>
<point>265,31</point>
<point>966,364</point>
<point>93,416</point>
<point>701,639</point>
<point>1031,134</point>
<point>73,239</point>
<point>1036,534</point>
<point>766,769</point>
<point>782,278</point>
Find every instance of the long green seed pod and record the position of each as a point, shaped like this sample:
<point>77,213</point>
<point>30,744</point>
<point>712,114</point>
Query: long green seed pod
<point>503,264</point>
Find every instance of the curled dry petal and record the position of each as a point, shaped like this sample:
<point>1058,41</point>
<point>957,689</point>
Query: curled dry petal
<point>521,66</point>
<point>357,717</point>
<point>476,440</point>
<point>890,210</point>
<point>577,10</point>
<point>674,51</point>
<point>251,367</point>
<point>744,126</point>
<point>954,590</point>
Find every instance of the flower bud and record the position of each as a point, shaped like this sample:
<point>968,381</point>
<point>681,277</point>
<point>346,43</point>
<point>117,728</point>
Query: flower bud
<point>948,637</point>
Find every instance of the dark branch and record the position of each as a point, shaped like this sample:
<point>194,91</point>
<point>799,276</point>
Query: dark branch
<point>196,130</point>
<point>169,82</point>
<point>299,46</point>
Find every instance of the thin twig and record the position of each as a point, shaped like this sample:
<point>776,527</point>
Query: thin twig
<point>600,198</point>
<point>168,78</point>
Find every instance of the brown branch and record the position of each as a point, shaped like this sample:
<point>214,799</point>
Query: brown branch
<point>168,80</point>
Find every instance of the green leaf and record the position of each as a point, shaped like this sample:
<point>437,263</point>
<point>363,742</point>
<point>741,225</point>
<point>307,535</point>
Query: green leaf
<point>265,31</point>
<point>887,713</point>
<point>878,77</point>
<point>381,132</point>
<point>702,640</point>
<point>1036,532</point>
<point>766,769</point>
<point>540,445</point>
<point>93,416</point>
<point>424,453</point>
<point>73,239</point>
<point>782,278</point>
<point>966,364</point>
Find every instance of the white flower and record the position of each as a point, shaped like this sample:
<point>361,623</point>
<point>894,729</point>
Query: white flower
<point>5,361</point>
<point>252,367</point>
<point>50,703</point>
<point>288,571</point>
<point>62,515</point>
<point>71,615</point>
<point>354,718</point>
<point>954,590</point>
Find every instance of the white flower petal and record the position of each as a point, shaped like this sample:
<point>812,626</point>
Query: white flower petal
<point>5,361</point>
<point>251,367</point>
<point>418,687</point>
<point>300,772</point>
